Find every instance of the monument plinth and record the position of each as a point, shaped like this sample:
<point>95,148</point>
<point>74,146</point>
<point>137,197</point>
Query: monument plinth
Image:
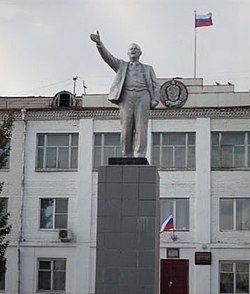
<point>127,251</point>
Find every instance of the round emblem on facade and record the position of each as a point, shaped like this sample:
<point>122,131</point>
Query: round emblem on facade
<point>173,93</point>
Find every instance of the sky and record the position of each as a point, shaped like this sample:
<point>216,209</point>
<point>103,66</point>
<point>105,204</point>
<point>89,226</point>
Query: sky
<point>45,43</point>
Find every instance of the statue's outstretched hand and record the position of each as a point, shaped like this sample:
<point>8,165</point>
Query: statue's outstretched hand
<point>96,38</point>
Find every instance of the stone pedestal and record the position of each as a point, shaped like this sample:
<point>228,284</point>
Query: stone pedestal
<point>127,251</point>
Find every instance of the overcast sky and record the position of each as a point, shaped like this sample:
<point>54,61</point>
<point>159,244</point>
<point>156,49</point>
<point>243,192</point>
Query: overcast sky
<point>45,43</point>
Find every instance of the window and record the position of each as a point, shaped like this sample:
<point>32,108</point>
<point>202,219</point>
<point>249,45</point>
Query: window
<point>106,145</point>
<point>2,274</point>
<point>51,274</point>
<point>230,150</point>
<point>235,214</point>
<point>234,277</point>
<point>4,203</point>
<point>57,151</point>
<point>174,150</point>
<point>179,209</point>
<point>54,213</point>
<point>5,153</point>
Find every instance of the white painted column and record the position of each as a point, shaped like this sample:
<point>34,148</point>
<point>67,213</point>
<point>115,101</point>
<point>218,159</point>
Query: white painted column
<point>83,220</point>
<point>202,209</point>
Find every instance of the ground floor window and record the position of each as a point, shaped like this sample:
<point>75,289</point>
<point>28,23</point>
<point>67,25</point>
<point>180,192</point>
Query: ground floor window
<point>234,277</point>
<point>51,274</point>
<point>2,274</point>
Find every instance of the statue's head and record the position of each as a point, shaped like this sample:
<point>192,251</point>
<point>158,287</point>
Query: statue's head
<point>134,52</point>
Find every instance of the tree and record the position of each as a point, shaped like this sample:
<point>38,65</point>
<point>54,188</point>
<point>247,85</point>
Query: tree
<point>5,135</point>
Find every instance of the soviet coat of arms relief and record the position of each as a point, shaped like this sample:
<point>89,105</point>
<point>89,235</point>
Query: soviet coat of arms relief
<point>173,94</point>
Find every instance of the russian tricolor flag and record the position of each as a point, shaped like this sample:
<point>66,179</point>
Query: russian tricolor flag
<point>168,224</point>
<point>203,20</point>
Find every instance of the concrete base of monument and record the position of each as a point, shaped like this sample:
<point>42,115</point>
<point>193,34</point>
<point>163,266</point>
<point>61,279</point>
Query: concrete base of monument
<point>127,250</point>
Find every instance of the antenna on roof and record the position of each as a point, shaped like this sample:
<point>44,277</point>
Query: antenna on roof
<point>84,87</point>
<point>74,84</point>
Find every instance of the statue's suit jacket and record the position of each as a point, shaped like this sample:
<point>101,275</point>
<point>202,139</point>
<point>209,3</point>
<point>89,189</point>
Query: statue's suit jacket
<point>120,67</point>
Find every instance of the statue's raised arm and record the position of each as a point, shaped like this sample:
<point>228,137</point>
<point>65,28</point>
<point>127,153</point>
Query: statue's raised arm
<point>112,61</point>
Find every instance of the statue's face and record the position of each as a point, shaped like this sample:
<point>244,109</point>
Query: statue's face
<point>134,52</point>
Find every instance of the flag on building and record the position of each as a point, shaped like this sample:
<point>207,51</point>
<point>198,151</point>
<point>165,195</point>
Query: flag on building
<point>203,20</point>
<point>168,224</point>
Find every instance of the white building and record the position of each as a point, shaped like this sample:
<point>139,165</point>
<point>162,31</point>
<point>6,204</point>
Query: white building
<point>203,154</point>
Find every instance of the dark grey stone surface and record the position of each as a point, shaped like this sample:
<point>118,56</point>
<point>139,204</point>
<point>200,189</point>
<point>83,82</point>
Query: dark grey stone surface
<point>127,255</point>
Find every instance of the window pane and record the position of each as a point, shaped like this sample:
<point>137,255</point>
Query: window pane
<point>227,156</point>
<point>61,205</point>
<point>215,139</point>
<point>226,267</point>
<point>215,156</point>
<point>58,140</point>
<point>174,139</point>
<point>156,139</point>
<point>40,140</point>
<point>61,221</point>
<point>179,157</point>
<point>51,157</point>
<point>226,283</point>
<point>74,157</point>
<point>2,281</point>
<point>97,157</point>
<point>98,140</point>
<point>74,140</point>
<point>239,156</point>
<point>60,265</point>
<point>40,158</point>
<point>242,267</point>
<point>44,280</point>
<point>59,281</point>
<point>233,138</point>
<point>242,283</point>
<point>243,214</point>
<point>226,214</point>
<point>46,219</point>
<point>107,152</point>
<point>182,214</point>
<point>156,156</point>
<point>44,264</point>
<point>166,207</point>
<point>191,157</point>
<point>63,158</point>
<point>191,139</point>
<point>112,139</point>
<point>167,157</point>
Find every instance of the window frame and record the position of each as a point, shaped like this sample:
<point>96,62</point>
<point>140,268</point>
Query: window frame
<point>103,134</point>
<point>160,146</point>
<point>175,211</point>
<point>246,150</point>
<point>45,146</point>
<point>6,167</point>
<point>234,199</point>
<point>51,260</point>
<point>54,214</point>
<point>233,262</point>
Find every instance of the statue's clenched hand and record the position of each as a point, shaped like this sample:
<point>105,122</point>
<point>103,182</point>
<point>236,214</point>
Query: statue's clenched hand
<point>96,38</point>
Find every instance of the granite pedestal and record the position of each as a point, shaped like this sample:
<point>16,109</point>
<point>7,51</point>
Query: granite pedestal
<point>127,251</point>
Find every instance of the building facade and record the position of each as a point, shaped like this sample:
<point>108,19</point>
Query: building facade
<point>202,151</point>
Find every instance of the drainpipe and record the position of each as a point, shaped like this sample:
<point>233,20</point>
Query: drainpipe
<point>23,117</point>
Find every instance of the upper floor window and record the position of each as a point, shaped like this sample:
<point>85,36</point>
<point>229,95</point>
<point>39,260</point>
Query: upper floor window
<point>106,145</point>
<point>174,150</point>
<point>51,274</point>
<point>234,214</point>
<point>234,277</point>
<point>54,213</point>
<point>57,151</point>
<point>230,150</point>
<point>178,208</point>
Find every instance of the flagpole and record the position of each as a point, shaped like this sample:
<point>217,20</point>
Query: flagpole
<point>194,45</point>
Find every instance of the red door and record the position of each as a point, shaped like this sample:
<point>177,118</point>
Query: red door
<point>174,276</point>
